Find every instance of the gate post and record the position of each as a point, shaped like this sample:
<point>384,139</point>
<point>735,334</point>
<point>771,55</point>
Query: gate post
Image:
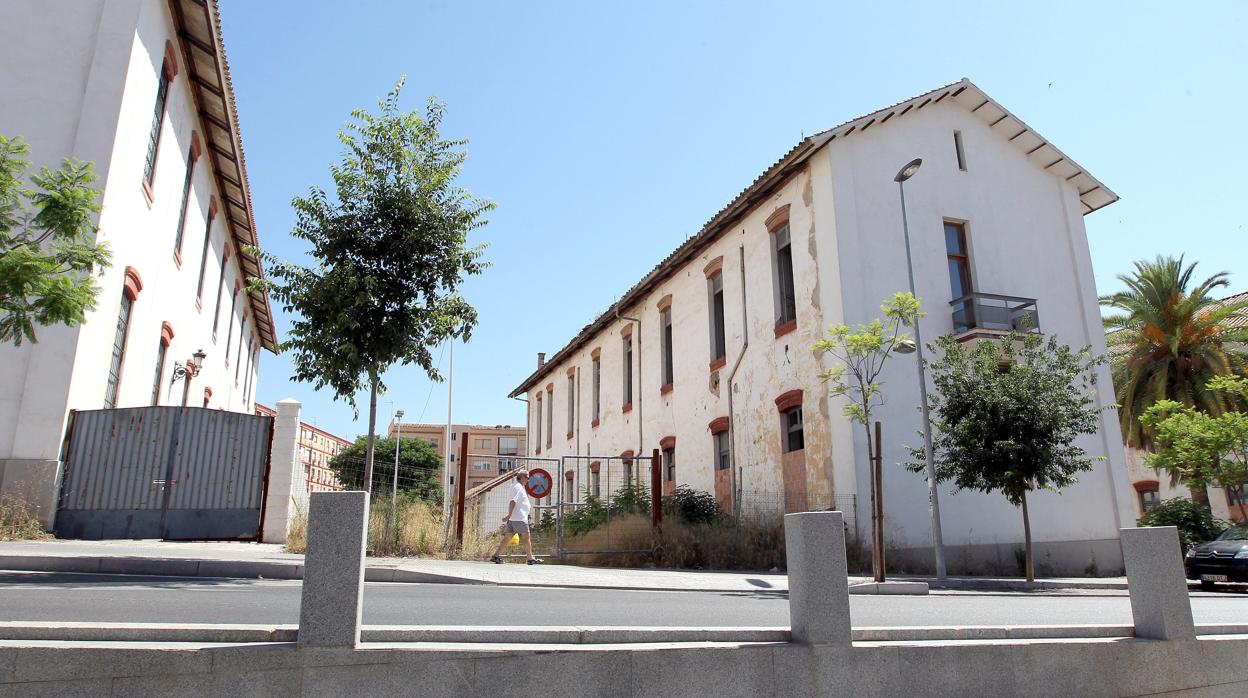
<point>286,489</point>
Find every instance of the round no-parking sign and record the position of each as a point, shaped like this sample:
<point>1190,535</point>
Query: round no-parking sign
<point>540,484</point>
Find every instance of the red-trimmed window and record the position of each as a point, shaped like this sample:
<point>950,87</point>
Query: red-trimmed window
<point>550,414</point>
<point>723,447</point>
<point>229,332</point>
<point>129,294</point>
<point>1149,494</point>
<point>216,310</point>
<point>168,70</point>
<point>668,448</point>
<point>203,257</point>
<point>166,337</point>
<point>715,292</point>
<point>539,422</point>
<point>791,431</point>
<point>666,366</point>
<point>191,156</point>
<point>597,380</point>
<point>626,459</point>
<point>627,366</point>
<point>782,263</point>
<point>571,402</point>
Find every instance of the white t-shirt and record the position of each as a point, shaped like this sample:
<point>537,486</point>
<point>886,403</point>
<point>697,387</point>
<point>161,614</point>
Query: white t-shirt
<point>521,498</point>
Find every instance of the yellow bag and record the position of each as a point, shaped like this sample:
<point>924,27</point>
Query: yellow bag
<point>514,540</point>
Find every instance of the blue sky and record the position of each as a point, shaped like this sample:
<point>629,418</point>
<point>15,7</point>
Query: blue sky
<point>609,132</point>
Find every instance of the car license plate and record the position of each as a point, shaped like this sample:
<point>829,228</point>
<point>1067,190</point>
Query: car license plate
<point>1213,577</point>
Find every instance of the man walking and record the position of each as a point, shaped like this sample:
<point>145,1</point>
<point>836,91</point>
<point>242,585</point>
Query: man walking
<point>516,522</point>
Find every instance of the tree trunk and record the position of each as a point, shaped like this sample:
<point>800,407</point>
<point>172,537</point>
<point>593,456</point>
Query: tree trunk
<point>1031,572</point>
<point>372,430</point>
<point>878,561</point>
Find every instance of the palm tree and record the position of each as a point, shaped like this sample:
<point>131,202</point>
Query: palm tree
<point>1169,339</point>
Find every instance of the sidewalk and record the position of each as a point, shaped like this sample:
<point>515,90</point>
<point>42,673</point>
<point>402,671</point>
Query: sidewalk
<point>268,561</point>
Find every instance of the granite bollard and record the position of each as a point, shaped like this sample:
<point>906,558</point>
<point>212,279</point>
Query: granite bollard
<point>1155,580</point>
<point>333,570</point>
<point>818,578</point>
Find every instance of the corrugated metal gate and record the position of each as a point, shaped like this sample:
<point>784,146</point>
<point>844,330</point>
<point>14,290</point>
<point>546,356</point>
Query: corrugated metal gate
<point>178,473</point>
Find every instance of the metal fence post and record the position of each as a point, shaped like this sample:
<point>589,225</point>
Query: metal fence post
<point>460,488</point>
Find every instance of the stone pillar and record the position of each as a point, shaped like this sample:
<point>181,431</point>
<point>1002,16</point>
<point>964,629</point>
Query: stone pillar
<point>333,570</point>
<point>1158,587</point>
<point>288,488</point>
<point>818,578</point>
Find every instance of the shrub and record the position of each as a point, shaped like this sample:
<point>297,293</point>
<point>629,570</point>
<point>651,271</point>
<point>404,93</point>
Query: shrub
<point>692,506</point>
<point>1196,523</point>
<point>18,523</point>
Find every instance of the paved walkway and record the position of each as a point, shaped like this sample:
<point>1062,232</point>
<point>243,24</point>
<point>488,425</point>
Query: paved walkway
<point>260,560</point>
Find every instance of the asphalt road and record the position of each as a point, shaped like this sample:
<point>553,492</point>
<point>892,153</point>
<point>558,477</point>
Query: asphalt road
<point>85,597</point>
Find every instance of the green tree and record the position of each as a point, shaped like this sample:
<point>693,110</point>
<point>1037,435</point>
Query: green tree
<point>1201,449</point>
<point>391,252</point>
<point>861,353</point>
<point>47,244</point>
<point>1195,522</point>
<point>1006,414</point>
<point>1168,339</point>
<point>420,465</point>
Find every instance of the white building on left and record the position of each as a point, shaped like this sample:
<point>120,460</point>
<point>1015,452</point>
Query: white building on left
<point>142,89</point>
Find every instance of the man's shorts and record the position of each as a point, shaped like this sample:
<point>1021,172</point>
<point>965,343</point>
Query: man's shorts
<point>518,527</point>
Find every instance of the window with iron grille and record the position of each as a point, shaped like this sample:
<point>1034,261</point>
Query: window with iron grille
<point>119,351</point>
<point>723,454</point>
<point>158,120</point>
<point>718,343</point>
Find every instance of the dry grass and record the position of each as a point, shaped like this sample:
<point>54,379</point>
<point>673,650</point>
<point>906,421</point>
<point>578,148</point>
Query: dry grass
<point>18,523</point>
<point>722,545</point>
<point>418,531</point>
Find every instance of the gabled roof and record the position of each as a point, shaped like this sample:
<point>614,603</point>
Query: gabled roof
<point>198,24</point>
<point>1092,194</point>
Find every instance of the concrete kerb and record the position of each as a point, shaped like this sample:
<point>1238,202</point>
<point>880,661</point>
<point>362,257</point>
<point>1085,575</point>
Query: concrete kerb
<point>37,631</point>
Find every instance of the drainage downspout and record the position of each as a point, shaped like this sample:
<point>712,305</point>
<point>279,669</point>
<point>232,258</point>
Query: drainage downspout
<point>733,466</point>
<point>640,434</point>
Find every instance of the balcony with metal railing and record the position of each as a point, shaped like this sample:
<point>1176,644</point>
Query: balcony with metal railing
<point>989,314</point>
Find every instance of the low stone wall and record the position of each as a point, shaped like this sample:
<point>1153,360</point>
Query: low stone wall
<point>1164,655</point>
<point>1080,558</point>
<point>1207,667</point>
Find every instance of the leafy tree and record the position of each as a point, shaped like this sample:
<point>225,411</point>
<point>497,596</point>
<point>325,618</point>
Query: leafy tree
<point>1006,416</point>
<point>47,244</point>
<point>1168,339</point>
<point>419,467</point>
<point>390,248</point>
<point>1195,522</point>
<point>1201,449</point>
<point>861,353</point>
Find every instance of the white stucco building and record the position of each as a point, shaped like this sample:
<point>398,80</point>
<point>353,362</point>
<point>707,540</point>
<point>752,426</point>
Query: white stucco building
<point>141,88</point>
<point>995,211</point>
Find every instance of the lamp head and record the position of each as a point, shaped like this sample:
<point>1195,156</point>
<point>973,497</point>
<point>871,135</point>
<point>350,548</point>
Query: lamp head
<point>905,346</point>
<point>199,356</point>
<point>398,414</point>
<point>908,171</point>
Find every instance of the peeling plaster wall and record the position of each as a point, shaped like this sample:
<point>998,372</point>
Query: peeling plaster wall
<point>771,366</point>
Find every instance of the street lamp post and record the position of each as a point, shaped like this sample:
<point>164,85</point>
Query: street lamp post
<point>394,489</point>
<point>933,502</point>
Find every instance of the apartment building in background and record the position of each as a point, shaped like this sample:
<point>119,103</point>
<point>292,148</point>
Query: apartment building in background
<point>316,448</point>
<point>997,237</point>
<point>142,90</point>
<point>491,449</point>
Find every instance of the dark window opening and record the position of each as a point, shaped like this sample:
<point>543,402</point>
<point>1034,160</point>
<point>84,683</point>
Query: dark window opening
<point>957,146</point>
<point>722,454</point>
<point>668,348</point>
<point>718,343</point>
<point>959,260</point>
<point>784,277</point>
<point>794,440</point>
